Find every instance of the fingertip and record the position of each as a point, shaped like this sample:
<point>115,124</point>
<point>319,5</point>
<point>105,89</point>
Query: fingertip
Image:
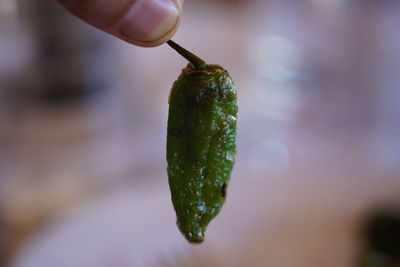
<point>151,23</point>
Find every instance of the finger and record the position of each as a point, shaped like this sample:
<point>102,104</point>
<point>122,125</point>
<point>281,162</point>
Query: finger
<point>140,22</point>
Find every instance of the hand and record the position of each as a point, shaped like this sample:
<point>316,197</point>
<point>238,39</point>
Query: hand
<point>140,22</point>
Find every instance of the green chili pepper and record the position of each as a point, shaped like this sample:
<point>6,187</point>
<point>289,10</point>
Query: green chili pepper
<point>200,143</point>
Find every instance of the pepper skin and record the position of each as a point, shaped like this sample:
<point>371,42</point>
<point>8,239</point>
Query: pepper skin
<point>200,145</point>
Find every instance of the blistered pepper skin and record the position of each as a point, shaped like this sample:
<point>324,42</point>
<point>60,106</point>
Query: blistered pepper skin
<point>200,145</point>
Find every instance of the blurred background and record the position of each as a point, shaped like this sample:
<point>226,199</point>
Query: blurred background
<point>83,132</point>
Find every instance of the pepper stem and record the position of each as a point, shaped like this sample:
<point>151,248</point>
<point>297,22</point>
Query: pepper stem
<point>192,58</point>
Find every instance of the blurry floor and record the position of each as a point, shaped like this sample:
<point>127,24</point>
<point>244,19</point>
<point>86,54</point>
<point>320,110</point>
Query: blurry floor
<point>264,223</point>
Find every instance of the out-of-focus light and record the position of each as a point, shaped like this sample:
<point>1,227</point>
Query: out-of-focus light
<point>276,63</point>
<point>275,58</point>
<point>277,101</point>
<point>8,8</point>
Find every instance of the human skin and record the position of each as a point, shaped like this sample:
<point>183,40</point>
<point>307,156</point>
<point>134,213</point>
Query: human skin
<point>145,23</point>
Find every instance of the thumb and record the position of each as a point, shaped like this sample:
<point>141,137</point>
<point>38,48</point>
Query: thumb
<point>141,22</point>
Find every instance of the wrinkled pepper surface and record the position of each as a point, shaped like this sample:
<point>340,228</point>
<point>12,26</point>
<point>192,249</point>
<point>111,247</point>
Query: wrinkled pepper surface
<point>200,145</point>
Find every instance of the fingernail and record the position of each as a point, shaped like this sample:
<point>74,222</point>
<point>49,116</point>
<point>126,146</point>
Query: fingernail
<point>150,20</point>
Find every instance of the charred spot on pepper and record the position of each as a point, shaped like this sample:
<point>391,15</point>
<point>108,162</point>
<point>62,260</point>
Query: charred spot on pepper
<point>223,190</point>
